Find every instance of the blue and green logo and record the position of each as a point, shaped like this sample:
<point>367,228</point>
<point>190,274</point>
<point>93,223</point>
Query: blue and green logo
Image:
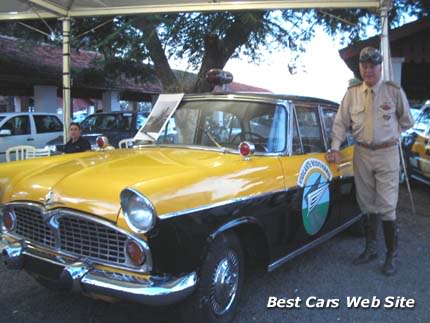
<point>314,177</point>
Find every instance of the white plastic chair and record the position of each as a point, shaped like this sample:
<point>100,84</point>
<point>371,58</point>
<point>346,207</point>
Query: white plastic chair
<point>38,152</point>
<point>125,143</point>
<point>19,152</point>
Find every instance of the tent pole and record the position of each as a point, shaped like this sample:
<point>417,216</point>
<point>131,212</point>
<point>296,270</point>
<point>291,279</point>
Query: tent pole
<point>66,78</point>
<point>387,72</point>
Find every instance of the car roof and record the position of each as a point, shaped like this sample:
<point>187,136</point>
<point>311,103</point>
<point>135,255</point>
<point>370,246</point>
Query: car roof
<point>260,96</point>
<point>116,112</point>
<point>27,113</point>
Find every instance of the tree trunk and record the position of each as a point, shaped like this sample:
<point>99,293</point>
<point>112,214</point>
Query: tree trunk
<point>163,70</point>
<point>219,51</point>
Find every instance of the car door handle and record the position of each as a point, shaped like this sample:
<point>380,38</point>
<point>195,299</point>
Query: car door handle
<point>30,139</point>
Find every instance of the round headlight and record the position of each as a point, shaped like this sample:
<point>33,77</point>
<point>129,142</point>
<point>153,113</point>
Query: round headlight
<point>138,211</point>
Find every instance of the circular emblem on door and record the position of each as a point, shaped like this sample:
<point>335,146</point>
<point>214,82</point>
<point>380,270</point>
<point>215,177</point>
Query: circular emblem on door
<point>314,177</point>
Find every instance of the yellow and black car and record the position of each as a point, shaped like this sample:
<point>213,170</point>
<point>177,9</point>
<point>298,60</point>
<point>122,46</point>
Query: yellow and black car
<point>213,182</point>
<point>416,147</point>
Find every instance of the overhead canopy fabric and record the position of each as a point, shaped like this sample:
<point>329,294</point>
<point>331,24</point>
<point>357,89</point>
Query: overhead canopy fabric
<point>34,9</point>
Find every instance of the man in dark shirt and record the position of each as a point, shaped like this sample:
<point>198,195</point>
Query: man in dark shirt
<point>76,144</point>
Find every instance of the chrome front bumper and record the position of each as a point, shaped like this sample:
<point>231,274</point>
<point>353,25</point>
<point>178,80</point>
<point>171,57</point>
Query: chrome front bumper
<point>83,277</point>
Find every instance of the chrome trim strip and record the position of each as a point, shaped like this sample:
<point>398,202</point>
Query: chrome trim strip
<point>312,244</point>
<point>150,291</point>
<point>222,203</point>
<point>208,148</point>
<point>235,97</point>
<point>421,179</point>
<point>53,215</point>
<point>44,257</point>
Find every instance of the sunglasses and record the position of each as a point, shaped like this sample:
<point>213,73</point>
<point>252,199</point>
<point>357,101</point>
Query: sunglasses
<point>374,58</point>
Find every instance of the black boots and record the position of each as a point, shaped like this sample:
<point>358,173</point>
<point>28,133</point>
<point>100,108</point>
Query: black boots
<point>390,235</point>
<point>370,253</point>
<point>371,222</point>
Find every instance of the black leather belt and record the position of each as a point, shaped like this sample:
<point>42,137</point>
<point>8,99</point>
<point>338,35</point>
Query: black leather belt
<point>378,146</point>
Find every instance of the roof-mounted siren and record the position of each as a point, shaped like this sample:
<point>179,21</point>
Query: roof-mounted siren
<point>216,76</point>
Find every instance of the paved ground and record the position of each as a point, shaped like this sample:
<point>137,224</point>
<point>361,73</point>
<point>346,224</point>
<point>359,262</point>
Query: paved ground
<point>324,272</point>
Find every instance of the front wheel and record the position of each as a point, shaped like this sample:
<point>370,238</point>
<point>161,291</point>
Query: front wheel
<point>220,285</point>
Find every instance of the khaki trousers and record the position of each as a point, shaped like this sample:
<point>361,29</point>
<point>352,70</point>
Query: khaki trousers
<point>376,177</point>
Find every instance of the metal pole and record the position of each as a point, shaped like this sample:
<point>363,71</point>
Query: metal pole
<point>66,78</point>
<point>387,74</point>
<point>408,186</point>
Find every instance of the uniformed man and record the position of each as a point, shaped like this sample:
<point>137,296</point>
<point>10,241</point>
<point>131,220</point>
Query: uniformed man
<point>376,112</point>
<point>76,144</point>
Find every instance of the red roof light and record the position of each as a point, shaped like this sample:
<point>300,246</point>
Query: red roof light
<point>246,149</point>
<point>217,76</point>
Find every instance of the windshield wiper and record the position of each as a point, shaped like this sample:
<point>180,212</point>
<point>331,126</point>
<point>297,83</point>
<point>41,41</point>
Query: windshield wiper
<point>223,149</point>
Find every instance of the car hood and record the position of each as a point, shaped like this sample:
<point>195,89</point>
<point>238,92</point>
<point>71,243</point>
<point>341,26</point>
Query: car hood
<point>172,179</point>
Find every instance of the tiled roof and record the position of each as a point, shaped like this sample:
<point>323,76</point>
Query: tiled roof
<point>25,62</point>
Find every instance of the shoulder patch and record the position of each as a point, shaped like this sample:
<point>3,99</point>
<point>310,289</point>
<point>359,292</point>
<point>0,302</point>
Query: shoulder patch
<point>354,83</point>
<point>392,84</point>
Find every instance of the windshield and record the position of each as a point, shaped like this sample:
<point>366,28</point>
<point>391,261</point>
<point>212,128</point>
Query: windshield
<point>1,118</point>
<point>107,122</point>
<point>228,122</point>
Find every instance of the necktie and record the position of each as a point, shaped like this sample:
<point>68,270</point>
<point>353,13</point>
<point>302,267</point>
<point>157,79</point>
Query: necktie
<point>368,120</point>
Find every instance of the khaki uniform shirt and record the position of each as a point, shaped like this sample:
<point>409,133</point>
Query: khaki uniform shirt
<point>390,114</point>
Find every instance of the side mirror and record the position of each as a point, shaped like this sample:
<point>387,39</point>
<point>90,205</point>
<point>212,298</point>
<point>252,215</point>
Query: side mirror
<point>5,132</point>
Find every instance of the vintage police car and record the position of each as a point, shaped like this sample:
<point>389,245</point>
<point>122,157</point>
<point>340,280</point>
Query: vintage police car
<point>416,147</point>
<point>242,179</point>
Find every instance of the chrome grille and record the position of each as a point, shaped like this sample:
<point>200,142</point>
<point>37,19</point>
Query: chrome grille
<point>91,239</point>
<point>30,225</point>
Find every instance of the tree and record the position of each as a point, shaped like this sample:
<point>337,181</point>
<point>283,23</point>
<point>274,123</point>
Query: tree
<point>209,40</point>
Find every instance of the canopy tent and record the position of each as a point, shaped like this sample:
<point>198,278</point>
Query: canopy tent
<point>66,9</point>
<point>33,9</point>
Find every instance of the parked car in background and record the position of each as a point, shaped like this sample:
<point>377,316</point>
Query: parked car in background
<point>113,125</point>
<point>240,179</point>
<point>416,110</point>
<point>27,128</point>
<point>416,147</point>
<point>79,116</point>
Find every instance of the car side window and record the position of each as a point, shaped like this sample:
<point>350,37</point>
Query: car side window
<point>423,121</point>
<point>328,119</point>
<point>19,125</point>
<point>297,146</point>
<point>45,124</point>
<point>310,129</point>
<point>329,114</point>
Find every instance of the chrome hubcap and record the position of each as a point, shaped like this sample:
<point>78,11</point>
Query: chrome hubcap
<point>225,280</point>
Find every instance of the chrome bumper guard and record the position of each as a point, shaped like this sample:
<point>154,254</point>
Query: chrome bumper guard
<point>82,277</point>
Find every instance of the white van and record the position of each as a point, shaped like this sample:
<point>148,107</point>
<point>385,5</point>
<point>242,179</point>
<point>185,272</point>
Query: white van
<point>27,128</point>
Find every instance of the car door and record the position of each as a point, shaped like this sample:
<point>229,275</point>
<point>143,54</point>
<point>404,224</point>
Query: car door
<point>20,133</point>
<point>342,185</point>
<point>47,127</point>
<point>316,182</point>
